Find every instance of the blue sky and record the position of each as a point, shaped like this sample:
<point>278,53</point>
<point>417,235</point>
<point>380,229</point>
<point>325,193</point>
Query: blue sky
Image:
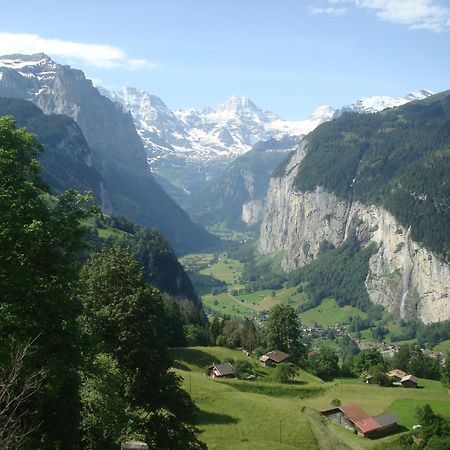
<point>288,56</point>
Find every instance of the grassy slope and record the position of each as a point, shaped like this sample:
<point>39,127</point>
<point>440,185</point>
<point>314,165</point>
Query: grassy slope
<point>329,313</point>
<point>443,347</point>
<point>247,415</point>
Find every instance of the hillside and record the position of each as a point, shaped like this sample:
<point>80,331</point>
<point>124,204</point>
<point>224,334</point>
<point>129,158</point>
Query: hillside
<point>67,159</point>
<point>265,414</point>
<point>384,178</point>
<point>398,159</point>
<point>117,151</point>
<point>235,200</point>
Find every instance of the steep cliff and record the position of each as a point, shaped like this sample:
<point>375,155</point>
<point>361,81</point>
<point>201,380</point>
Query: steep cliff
<point>235,200</point>
<point>116,149</point>
<point>405,276</point>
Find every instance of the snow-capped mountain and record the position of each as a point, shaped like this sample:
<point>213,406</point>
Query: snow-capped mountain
<point>230,130</point>
<point>207,134</point>
<point>116,151</point>
<point>379,103</point>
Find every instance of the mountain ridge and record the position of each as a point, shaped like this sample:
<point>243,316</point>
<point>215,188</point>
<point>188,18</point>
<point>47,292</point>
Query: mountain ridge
<point>117,151</point>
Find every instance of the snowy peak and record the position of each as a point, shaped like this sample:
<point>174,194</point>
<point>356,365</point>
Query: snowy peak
<point>18,61</point>
<point>237,105</point>
<point>222,134</point>
<point>38,66</point>
<point>379,103</point>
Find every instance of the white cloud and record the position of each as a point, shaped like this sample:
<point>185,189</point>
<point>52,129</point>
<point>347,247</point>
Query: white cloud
<point>314,10</point>
<point>97,55</point>
<point>416,14</point>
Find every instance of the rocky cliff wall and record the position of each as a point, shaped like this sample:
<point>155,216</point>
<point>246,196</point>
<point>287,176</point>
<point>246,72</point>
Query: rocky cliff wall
<point>405,278</point>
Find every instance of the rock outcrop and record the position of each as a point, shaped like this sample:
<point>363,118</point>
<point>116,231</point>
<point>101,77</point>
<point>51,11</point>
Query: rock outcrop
<point>404,277</point>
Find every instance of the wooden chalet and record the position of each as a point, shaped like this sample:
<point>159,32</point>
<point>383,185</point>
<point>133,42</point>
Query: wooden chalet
<point>354,418</point>
<point>409,381</point>
<point>396,375</point>
<point>274,357</point>
<point>221,370</point>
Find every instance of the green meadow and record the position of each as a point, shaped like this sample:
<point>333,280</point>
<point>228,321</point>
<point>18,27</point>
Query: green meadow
<point>263,414</point>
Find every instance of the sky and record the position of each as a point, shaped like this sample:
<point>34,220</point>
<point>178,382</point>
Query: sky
<point>288,56</point>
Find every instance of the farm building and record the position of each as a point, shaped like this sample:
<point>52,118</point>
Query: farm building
<point>409,381</point>
<point>396,375</point>
<point>221,370</point>
<point>354,418</point>
<point>273,357</point>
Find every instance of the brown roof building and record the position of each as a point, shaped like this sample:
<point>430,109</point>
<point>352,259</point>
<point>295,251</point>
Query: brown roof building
<point>221,370</point>
<point>354,417</point>
<point>409,381</point>
<point>396,374</point>
<point>274,357</point>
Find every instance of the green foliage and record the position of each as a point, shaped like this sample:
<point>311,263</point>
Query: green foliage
<point>285,373</point>
<point>366,359</point>
<point>414,360</point>
<point>324,363</point>
<point>125,319</point>
<point>283,332</point>
<point>445,372</point>
<point>39,241</point>
<point>104,408</point>
<point>435,428</point>
<point>339,273</point>
<point>398,159</point>
<point>378,373</point>
<point>243,367</point>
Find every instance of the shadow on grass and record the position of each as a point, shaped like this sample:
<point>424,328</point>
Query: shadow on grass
<point>276,390</point>
<point>192,356</point>
<point>207,418</point>
<point>180,366</point>
<point>398,430</point>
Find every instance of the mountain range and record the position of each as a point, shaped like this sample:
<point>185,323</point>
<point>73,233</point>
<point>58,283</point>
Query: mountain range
<point>203,142</point>
<point>114,148</point>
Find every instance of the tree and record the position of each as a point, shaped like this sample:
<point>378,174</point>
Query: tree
<point>15,392</point>
<point>248,335</point>
<point>366,359</point>
<point>324,363</point>
<point>283,332</point>
<point>232,333</point>
<point>215,330</point>
<point>126,320</point>
<point>401,358</point>
<point>435,428</point>
<point>104,408</point>
<point>243,367</point>
<point>445,372</point>
<point>40,238</point>
<point>285,373</point>
<point>378,373</point>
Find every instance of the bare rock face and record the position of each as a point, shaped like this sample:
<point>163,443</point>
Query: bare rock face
<point>253,211</point>
<point>404,277</point>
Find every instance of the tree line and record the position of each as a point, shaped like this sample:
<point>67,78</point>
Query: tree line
<point>84,357</point>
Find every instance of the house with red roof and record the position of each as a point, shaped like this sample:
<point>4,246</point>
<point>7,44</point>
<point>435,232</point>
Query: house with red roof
<point>354,418</point>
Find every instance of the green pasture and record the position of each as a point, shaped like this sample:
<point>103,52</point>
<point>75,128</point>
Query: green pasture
<point>241,414</point>
<point>330,313</point>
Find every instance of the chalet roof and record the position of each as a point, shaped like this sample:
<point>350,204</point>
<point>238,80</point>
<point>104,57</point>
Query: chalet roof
<point>386,419</point>
<point>396,373</point>
<point>368,425</point>
<point>362,420</point>
<point>275,355</point>
<point>354,412</point>
<point>224,369</point>
<point>412,378</point>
